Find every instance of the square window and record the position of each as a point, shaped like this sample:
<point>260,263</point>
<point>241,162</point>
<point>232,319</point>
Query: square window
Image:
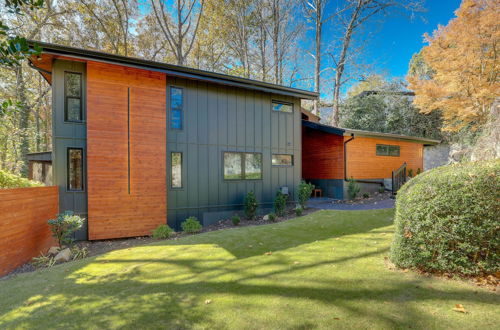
<point>282,160</point>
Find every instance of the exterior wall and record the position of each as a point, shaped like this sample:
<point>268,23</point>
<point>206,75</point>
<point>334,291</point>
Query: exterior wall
<point>126,157</point>
<point>65,135</point>
<point>24,231</point>
<point>363,163</point>
<point>222,118</point>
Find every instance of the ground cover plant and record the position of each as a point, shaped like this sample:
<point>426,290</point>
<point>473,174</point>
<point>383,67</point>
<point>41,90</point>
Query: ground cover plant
<point>324,270</point>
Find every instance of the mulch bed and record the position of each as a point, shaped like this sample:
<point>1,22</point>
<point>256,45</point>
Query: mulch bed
<point>374,197</point>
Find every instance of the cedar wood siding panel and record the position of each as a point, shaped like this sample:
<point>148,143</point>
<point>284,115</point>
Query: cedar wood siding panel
<point>363,162</point>
<point>322,155</point>
<point>113,210</point>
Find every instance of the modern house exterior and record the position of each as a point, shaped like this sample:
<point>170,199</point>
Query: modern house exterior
<point>138,143</point>
<point>331,156</point>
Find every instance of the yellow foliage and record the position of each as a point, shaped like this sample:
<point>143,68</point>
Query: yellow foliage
<point>464,57</point>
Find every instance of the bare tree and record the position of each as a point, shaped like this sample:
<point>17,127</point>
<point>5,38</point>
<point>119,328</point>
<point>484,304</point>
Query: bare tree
<point>180,25</point>
<point>353,15</point>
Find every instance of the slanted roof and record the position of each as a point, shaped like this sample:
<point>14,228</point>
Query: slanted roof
<point>169,69</point>
<point>323,128</point>
<point>310,116</point>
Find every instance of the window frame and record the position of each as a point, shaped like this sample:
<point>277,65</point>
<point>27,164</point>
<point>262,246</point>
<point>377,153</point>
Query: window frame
<point>182,172</point>
<point>68,189</point>
<point>171,87</point>
<point>291,164</point>
<point>283,103</point>
<point>389,146</point>
<point>66,97</point>
<point>242,158</point>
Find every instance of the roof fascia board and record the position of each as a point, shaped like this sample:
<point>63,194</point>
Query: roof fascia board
<point>389,136</point>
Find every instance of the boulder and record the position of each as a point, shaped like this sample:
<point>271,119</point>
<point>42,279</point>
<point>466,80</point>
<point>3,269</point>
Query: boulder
<point>266,217</point>
<point>54,250</point>
<point>63,256</point>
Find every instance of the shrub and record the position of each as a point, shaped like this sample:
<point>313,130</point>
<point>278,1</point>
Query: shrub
<point>43,261</point>
<point>280,203</point>
<point>9,180</point>
<point>251,205</point>
<point>236,219</point>
<point>410,173</point>
<point>381,189</point>
<point>162,232</point>
<point>353,188</point>
<point>191,225</point>
<point>305,190</point>
<point>299,210</point>
<point>419,171</point>
<point>366,195</point>
<point>447,220</point>
<point>64,226</point>
<point>79,253</point>
<point>272,217</point>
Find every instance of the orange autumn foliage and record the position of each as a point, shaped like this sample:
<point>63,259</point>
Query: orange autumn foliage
<point>464,58</point>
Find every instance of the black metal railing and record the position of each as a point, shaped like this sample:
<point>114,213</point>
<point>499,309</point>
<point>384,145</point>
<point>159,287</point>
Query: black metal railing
<point>398,178</point>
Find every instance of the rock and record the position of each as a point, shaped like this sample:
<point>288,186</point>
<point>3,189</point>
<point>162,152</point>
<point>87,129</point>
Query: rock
<point>266,217</point>
<point>54,250</point>
<point>63,256</point>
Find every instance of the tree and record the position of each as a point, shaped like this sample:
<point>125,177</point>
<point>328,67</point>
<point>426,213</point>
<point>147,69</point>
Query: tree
<point>350,17</point>
<point>463,57</point>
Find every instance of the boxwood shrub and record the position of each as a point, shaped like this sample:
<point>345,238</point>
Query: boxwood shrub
<point>448,220</point>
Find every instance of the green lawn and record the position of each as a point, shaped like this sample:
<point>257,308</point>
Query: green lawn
<point>326,270</point>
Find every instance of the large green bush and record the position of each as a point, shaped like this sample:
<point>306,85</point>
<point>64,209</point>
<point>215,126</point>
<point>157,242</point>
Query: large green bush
<point>9,180</point>
<point>448,220</point>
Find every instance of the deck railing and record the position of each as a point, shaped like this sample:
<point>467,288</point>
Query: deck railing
<point>398,178</point>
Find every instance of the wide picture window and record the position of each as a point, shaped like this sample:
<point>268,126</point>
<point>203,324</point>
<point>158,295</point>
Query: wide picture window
<point>242,166</point>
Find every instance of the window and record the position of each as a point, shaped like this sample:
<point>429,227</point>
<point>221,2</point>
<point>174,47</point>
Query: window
<point>282,106</point>
<point>75,169</point>
<point>176,170</point>
<point>282,160</point>
<point>73,97</point>
<point>242,166</point>
<point>387,150</point>
<point>176,107</point>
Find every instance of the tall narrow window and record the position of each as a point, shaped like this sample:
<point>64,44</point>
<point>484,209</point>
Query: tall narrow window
<point>75,169</point>
<point>176,171</point>
<point>176,107</point>
<point>73,110</point>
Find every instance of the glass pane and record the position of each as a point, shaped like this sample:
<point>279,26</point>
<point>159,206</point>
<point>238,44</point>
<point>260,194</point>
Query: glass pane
<point>282,160</point>
<point>393,150</point>
<point>75,170</point>
<point>175,98</point>
<point>232,166</point>
<point>73,107</point>
<point>73,84</point>
<point>176,120</point>
<point>176,170</point>
<point>382,150</point>
<point>253,166</point>
<point>282,107</point>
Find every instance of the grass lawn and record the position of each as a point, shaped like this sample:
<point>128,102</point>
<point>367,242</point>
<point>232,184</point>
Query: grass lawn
<point>325,270</point>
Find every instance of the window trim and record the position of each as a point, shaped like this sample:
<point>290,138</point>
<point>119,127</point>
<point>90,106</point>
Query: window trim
<point>182,172</point>
<point>291,165</point>
<point>66,97</point>
<point>242,178</point>
<point>171,109</point>
<point>68,189</point>
<point>388,145</point>
<point>282,102</point>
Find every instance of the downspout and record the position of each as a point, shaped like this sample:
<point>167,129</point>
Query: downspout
<point>345,164</point>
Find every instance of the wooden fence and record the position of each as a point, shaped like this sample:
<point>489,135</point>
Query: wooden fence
<point>24,232</point>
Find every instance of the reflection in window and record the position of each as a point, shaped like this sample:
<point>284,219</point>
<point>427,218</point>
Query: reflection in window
<point>282,160</point>
<point>176,107</point>
<point>75,169</point>
<point>241,165</point>
<point>253,166</point>
<point>387,150</point>
<point>232,166</point>
<point>282,106</point>
<point>176,174</point>
<point>73,97</point>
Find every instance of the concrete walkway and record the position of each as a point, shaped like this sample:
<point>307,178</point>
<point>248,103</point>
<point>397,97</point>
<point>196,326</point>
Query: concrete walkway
<point>325,203</point>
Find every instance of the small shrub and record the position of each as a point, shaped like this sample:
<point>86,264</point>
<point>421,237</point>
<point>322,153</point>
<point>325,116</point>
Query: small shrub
<point>353,188</point>
<point>410,173</point>
<point>64,226</point>
<point>305,190</point>
<point>381,189</point>
<point>419,171</point>
<point>366,195</point>
<point>299,210</point>
<point>191,225</point>
<point>43,261</point>
<point>79,253</point>
<point>162,232</point>
<point>280,203</point>
<point>236,219</point>
<point>272,217</point>
<point>251,205</point>
<point>447,220</point>
<point>9,180</point>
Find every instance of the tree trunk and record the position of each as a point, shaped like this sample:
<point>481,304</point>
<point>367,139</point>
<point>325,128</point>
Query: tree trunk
<point>317,66</point>
<point>24,120</point>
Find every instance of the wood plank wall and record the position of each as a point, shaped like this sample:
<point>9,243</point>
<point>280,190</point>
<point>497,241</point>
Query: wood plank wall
<point>123,203</point>
<point>24,232</point>
<point>322,155</point>
<point>363,162</point>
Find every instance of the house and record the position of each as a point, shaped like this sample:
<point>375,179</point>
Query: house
<point>138,143</point>
<point>331,156</point>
